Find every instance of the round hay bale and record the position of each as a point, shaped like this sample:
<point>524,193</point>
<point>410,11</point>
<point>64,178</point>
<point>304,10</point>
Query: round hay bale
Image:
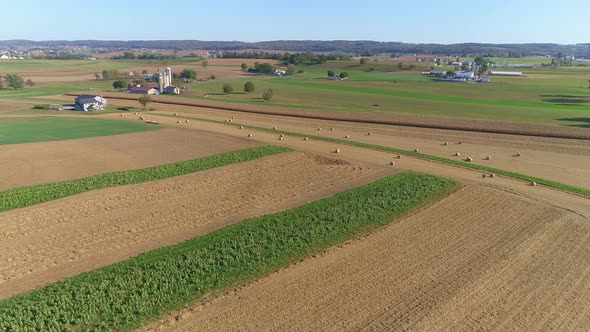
<point>457,154</point>
<point>533,184</point>
<point>399,156</point>
<point>178,121</point>
<point>492,175</point>
<point>347,136</point>
<point>319,129</point>
<point>446,143</point>
<point>332,129</point>
<point>241,127</point>
<point>122,114</point>
<point>274,128</point>
<point>249,135</point>
<point>489,158</point>
<point>483,176</point>
<point>305,138</point>
<point>282,135</point>
<point>415,150</point>
<point>281,138</point>
<point>175,114</point>
<point>518,154</point>
<point>134,113</point>
<point>469,159</point>
<point>392,163</point>
<point>369,133</point>
<point>141,118</point>
<point>233,117</point>
<point>337,151</point>
<point>186,121</point>
<point>460,142</point>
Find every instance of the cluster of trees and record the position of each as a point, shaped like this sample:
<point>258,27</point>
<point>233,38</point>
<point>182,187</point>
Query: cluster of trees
<point>289,58</point>
<point>341,75</point>
<point>249,88</point>
<point>110,74</point>
<point>264,68</point>
<point>144,56</point>
<point>15,81</point>
<point>59,56</point>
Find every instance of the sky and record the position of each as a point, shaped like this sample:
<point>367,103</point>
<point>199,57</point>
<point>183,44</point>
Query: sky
<point>425,21</point>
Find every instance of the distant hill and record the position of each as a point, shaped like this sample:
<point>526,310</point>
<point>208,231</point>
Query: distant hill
<point>361,47</point>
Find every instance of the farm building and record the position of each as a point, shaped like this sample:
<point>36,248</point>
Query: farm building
<point>505,73</point>
<point>465,74</point>
<point>90,103</point>
<point>280,72</point>
<point>172,90</point>
<point>144,90</point>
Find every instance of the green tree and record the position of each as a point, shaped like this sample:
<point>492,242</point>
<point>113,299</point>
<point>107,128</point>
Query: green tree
<point>14,81</point>
<point>227,88</point>
<point>1,82</point>
<point>119,84</point>
<point>144,101</point>
<point>30,83</point>
<point>204,63</point>
<point>244,66</point>
<point>249,87</point>
<point>412,66</point>
<point>291,69</point>
<point>143,72</point>
<point>267,94</point>
<point>364,61</point>
<point>400,66</point>
<point>97,76</point>
<point>188,74</point>
<point>213,77</point>
<point>331,73</point>
<point>343,74</point>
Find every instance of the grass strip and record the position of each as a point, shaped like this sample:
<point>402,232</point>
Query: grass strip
<point>26,196</point>
<point>130,293</point>
<point>548,183</point>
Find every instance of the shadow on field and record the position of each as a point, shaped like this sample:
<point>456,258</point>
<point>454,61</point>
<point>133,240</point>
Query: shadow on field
<point>567,100</point>
<point>583,122</point>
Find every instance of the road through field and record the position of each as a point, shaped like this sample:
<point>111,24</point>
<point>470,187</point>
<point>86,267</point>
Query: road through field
<point>51,241</point>
<point>480,260</point>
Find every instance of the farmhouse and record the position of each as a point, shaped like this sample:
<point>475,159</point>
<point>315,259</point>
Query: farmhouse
<point>172,90</point>
<point>505,73</point>
<point>465,74</point>
<point>90,103</point>
<point>144,90</point>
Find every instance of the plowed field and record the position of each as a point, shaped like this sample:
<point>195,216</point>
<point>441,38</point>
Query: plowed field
<point>480,260</point>
<point>51,241</point>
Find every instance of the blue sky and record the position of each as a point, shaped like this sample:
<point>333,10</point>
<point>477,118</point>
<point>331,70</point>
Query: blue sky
<point>424,21</point>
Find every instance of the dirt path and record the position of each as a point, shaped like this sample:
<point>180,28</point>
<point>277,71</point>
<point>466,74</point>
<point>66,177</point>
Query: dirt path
<point>480,260</point>
<point>36,163</point>
<point>561,160</point>
<point>55,240</point>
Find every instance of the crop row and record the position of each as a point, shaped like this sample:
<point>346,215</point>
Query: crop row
<point>130,293</point>
<point>515,175</point>
<point>26,196</point>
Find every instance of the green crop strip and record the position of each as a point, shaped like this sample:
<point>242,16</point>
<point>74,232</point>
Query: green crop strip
<point>519,176</point>
<point>26,196</point>
<point>128,294</point>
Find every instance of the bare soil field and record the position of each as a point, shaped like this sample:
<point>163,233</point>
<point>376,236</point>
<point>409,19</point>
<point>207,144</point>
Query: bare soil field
<point>467,125</point>
<point>44,162</point>
<point>12,105</point>
<point>480,260</point>
<point>58,239</point>
<point>562,160</point>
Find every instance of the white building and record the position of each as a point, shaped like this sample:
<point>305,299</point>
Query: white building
<point>466,74</point>
<point>505,73</point>
<point>90,103</point>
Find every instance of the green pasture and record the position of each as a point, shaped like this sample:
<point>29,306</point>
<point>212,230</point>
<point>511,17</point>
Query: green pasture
<point>57,129</point>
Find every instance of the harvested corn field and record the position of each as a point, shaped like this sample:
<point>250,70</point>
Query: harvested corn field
<point>482,259</point>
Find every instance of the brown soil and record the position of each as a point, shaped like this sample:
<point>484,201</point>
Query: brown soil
<point>467,125</point>
<point>480,260</point>
<point>561,160</point>
<point>58,239</point>
<point>36,163</point>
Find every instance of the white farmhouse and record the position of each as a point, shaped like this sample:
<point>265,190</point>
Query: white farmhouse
<point>90,103</point>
